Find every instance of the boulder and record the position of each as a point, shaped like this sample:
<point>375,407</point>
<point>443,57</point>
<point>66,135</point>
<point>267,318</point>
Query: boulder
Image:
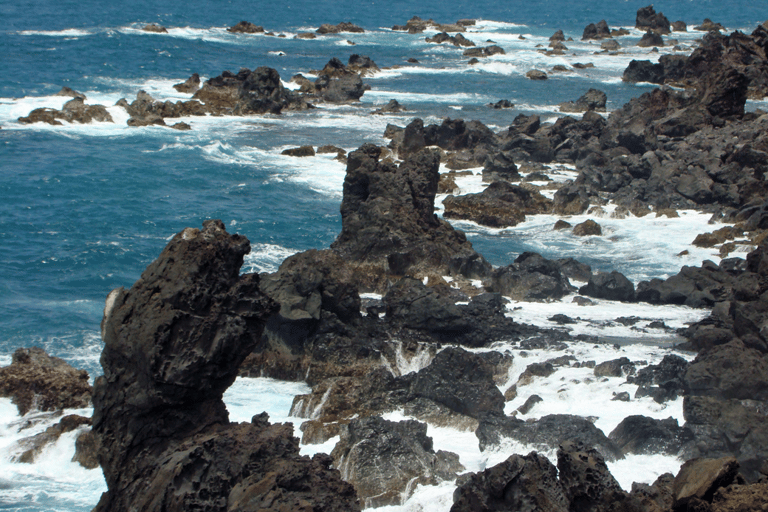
<point>154,27</point>
<point>729,371</point>
<point>699,479</point>
<point>535,74</point>
<point>646,436</point>
<point>444,37</point>
<point>36,381</point>
<point>587,228</point>
<point>172,345</point>
<point>485,51</point>
<point>591,100</point>
<point>300,151</point>
<point>614,368</point>
<point>31,447</point>
<point>384,460</point>
<point>650,39</point>
<point>519,483</point>
<point>393,107</point>
<point>344,26</point>
<point>73,111</point>
<point>609,285</point>
<point>530,278</point>
<point>501,204</point>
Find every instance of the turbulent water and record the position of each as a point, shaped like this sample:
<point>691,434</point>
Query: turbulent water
<point>84,208</point>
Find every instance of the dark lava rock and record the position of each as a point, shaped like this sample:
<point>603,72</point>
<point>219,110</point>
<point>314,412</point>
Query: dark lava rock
<point>729,371</point>
<point>444,37</point>
<point>154,27</point>
<point>586,481</point>
<point>73,111</point>
<point>393,107</point>
<point>501,104</point>
<point>644,436</point>
<point>501,204</point>
<point>344,26</point>
<point>535,74</point>
<point>485,51</point>
<point>529,404</point>
<point>679,26</point>
<point>614,368</point>
<point>546,432</point>
<point>664,381</point>
<point>648,19</point>
<point>574,269</point>
<point>609,285</point>
<point>519,483</point>
<point>173,344</point>
<point>190,86</point>
<point>708,26</point>
<point>530,277</point>
<point>388,220</point>
<point>593,99</point>
<point>32,446</point>
<point>35,380</point>
<point>70,93</point>
<point>300,151</point>
<point>384,459</point>
<point>596,31</point>
<point>587,228</point>
<point>650,39</point>
<point>246,27</point>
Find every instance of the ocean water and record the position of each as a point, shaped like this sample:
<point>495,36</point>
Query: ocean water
<point>84,208</point>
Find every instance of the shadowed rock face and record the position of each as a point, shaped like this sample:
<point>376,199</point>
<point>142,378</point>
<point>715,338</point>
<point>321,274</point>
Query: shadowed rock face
<point>388,221</point>
<point>173,344</point>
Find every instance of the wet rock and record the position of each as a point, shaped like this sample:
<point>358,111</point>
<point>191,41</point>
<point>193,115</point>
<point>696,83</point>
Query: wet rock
<point>444,37</point>
<point>500,166</point>
<point>501,104</point>
<point>86,450</point>
<point>344,26</point>
<point>679,26</point>
<point>485,51</point>
<point>520,483</point>
<point>383,459</point>
<point>299,152</point>
<point>31,447</point>
<point>586,481</point>
<point>708,26</point>
<point>530,277</point>
<point>561,224</point>
<point>593,99</point>
<point>545,433</point>
<point>610,45</point>
<point>614,368</point>
<point>645,436</point>
<point>393,107</point>
<point>574,269</point>
<point>36,381</point>
<point>173,344</point>
<point>588,228</point>
<point>534,370</point>
<point>154,27</point>
<point>651,40</point>
<point>561,319</point>
<point>609,285</point>
<point>181,127</point>
<point>535,74</point>
<point>648,19</point>
<point>622,396</point>
<point>596,31</point>
<point>73,111</point>
<point>71,93</point>
<point>664,381</point>
<point>246,27</point>
<point>190,86</point>
<point>501,204</point>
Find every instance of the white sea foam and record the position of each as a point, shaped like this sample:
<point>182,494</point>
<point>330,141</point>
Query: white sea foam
<point>69,32</point>
<point>265,258</point>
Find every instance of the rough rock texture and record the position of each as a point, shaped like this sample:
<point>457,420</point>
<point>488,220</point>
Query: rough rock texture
<point>519,483</point>
<point>36,381</point>
<point>698,479</point>
<point>648,19</point>
<point>388,220</point>
<point>31,447</point>
<point>384,460</point>
<point>246,27</point>
<point>501,204</point>
<point>73,111</point>
<point>190,86</point>
<point>546,432</point>
<point>530,277</point>
<point>642,435</point>
<point>609,285</point>
<point>593,99</point>
<point>599,30</point>
<point>173,344</point>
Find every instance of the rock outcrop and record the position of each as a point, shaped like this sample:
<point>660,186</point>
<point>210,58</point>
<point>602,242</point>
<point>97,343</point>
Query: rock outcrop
<point>36,381</point>
<point>73,111</point>
<point>173,344</point>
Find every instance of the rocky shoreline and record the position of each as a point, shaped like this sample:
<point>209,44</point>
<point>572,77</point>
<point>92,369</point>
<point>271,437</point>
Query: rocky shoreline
<point>397,271</point>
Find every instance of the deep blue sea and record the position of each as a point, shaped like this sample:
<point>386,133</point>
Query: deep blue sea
<point>84,208</point>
